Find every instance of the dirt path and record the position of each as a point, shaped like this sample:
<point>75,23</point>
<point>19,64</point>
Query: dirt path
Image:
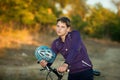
<point>111,63</point>
<point>105,57</point>
<point>30,72</point>
<point>108,64</point>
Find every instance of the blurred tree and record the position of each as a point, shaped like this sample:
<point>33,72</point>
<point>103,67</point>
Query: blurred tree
<point>102,23</point>
<point>43,12</point>
<point>98,19</point>
<point>115,30</point>
<point>79,7</point>
<point>63,3</point>
<point>27,11</point>
<point>115,27</point>
<point>78,23</point>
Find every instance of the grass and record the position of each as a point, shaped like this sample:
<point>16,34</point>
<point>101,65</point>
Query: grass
<point>10,37</point>
<point>15,39</point>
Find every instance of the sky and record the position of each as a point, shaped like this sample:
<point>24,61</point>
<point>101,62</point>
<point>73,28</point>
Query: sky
<point>106,3</point>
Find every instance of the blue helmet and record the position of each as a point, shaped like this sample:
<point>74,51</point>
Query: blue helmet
<point>45,53</point>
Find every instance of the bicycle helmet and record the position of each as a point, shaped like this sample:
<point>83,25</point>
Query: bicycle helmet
<point>45,53</point>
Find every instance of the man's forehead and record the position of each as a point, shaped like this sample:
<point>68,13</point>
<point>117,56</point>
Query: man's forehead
<point>62,23</point>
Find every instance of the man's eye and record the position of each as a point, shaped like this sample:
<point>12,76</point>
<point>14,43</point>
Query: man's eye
<point>58,26</point>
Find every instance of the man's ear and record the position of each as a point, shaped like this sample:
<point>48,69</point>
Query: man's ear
<point>68,29</point>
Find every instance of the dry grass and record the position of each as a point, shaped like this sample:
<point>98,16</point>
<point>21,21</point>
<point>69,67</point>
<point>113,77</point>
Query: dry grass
<point>10,37</point>
<point>19,46</point>
<point>15,45</point>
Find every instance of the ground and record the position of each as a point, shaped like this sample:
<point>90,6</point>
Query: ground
<point>20,63</point>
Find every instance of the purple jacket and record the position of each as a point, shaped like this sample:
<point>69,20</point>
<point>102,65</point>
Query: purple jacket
<point>73,51</point>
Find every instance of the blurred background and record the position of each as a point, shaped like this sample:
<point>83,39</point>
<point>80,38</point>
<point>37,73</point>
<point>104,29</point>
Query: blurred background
<point>27,24</point>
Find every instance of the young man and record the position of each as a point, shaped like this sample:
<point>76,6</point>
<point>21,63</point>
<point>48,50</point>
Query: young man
<point>70,45</point>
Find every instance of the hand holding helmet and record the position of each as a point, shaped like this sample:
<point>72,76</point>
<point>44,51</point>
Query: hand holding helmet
<point>43,63</point>
<point>44,55</point>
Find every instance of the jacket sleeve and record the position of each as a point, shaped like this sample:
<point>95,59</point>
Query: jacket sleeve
<point>74,47</point>
<point>54,49</point>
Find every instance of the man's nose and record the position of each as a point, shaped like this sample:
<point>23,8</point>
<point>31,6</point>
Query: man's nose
<point>59,29</point>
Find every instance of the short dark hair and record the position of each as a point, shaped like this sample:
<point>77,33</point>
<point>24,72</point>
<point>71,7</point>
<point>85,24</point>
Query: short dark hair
<point>65,20</point>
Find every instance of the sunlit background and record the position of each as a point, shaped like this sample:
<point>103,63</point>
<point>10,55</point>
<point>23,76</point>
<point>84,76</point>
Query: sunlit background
<point>27,24</point>
<point>105,3</point>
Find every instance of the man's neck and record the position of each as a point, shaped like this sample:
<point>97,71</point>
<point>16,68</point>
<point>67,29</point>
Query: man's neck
<point>63,37</point>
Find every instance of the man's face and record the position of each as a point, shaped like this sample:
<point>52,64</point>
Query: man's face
<point>62,29</point>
